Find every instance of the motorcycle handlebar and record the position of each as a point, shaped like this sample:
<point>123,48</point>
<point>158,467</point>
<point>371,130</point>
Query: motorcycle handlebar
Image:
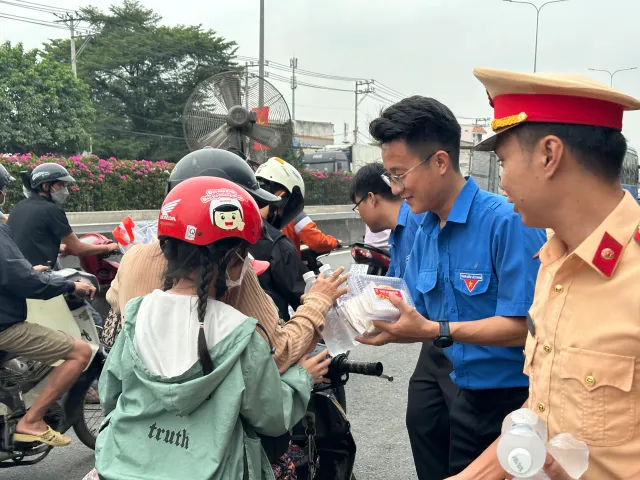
<point>344,365</point>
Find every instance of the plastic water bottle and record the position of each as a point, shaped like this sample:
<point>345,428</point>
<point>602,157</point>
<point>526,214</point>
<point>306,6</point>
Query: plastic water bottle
<point>571,454</point>
<point>521,449</point>
<point>326,269</point>
<point>309,279</point>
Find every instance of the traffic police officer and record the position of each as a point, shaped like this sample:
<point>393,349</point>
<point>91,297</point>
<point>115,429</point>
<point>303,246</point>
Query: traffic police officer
<point>560,142</point>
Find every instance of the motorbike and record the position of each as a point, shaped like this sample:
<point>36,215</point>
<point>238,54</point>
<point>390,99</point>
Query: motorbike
<point>103,267</point>
<point>373,260</point>
<point>22,380</point>
<point>324,432</point>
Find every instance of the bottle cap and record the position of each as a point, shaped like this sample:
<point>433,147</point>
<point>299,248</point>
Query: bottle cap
<point>307,276</point>
<point>324,268</point>
<point>520,460</point>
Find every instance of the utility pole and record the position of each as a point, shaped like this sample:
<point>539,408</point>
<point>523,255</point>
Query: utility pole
<point>71,22</point>
<point>361,91</point>
<point>261,60</point>
<point>294,84</point>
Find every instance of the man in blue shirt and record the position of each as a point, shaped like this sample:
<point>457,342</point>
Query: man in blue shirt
<point>471,273</point>
<point>381,210</point>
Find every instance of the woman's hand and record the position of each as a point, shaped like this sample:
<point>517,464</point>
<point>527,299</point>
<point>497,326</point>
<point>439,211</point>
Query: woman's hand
<point>317,366</point>
<point>330,286</point>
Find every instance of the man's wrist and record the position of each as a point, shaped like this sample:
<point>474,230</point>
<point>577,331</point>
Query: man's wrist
<point>431,330</point>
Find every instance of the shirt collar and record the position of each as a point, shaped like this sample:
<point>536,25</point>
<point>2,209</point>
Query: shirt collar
<point>602,249</point>
<point>403,215</point>
<point>462,205</point>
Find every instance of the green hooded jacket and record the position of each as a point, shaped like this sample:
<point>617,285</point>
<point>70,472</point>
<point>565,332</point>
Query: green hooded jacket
<point>191,426</point>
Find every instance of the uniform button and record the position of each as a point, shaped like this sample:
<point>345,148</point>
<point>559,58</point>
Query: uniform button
<point>590,381</point>
<point>541,407</point>
<point>559,288</point>
<point>608,254</point>
<point>547,348</point>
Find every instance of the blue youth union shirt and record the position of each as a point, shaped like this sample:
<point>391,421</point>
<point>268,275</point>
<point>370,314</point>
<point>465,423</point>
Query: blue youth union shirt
<point>401,240</point>
<point>479,265</point>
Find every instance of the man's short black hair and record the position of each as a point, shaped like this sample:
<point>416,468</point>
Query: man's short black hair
<point>599,150</point>
<point>369,179</point>
<point>424,123</point>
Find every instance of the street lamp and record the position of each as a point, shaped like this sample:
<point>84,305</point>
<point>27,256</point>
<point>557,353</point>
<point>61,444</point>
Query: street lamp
<point>611,74</point>
<point>538,9</point>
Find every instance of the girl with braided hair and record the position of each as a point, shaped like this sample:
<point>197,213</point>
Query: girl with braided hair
<point>190,383</point>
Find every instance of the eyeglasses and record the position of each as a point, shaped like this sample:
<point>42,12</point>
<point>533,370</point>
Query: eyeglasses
<point>396,180</point>
<point>355,207</point>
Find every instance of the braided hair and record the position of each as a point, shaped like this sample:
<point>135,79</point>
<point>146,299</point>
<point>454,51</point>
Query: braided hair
<point>210,263</point>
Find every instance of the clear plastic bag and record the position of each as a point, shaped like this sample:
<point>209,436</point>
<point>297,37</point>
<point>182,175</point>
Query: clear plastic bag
<point>373,292</point>
<point>130,233</point>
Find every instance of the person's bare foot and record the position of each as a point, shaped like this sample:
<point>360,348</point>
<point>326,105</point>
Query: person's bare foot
<point>31,428</point>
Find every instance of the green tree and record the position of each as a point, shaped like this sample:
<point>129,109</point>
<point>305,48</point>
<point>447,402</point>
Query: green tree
<point>43,108</point>
<point>141,75</point>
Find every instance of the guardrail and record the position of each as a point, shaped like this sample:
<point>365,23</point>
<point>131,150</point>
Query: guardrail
<point>337,220</point>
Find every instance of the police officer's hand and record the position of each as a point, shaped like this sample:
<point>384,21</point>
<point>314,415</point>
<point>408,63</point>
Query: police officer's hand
<point>64,251</point>
<point>410,327</point>
<point>330,286</point>
<point>41,268</point>
<point>84,290</point>
<point>555,470</point>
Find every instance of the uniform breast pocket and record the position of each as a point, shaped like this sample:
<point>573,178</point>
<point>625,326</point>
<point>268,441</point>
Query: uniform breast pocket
<point>599,399</point>
<point>473,285</point>
<point>427,280</point>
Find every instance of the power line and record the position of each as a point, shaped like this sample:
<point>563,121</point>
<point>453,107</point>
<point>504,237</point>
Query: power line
<point>59,9</point>
<point>34,21</point>
<point>133,132</point>
<point>28,7</point>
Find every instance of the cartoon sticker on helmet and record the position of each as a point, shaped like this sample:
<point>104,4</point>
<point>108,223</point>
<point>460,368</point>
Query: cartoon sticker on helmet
<point>227,214</point>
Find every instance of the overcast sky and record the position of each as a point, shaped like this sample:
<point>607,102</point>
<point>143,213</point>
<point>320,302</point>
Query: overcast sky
<point>426,47</point>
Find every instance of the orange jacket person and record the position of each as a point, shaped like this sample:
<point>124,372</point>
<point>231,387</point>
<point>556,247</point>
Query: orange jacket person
<point>304,230</point>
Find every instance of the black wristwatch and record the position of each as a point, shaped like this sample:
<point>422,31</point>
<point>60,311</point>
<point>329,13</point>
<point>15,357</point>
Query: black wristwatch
<point>443,340</point>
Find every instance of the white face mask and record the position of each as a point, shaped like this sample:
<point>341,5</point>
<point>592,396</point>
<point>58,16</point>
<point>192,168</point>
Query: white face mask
<point>245,265</point>
<point>60,196</point>
<point>4,197</point>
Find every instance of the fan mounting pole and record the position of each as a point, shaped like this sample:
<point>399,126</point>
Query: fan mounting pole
<point>261,70</point>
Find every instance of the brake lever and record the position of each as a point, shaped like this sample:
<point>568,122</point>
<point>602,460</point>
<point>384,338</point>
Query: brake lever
<point>387,377</point>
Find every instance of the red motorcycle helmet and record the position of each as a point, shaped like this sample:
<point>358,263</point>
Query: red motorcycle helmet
<point>204,210</point>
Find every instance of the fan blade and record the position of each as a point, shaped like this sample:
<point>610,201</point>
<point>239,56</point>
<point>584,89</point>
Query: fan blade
<point>264,134</point>
<point>215,139</point>
<point>230,90</point>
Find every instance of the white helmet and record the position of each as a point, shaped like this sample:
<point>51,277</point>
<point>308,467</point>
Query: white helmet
<point>278,171</point>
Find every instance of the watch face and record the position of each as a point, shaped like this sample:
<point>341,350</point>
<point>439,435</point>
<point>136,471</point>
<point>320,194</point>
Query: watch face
<point>443,342</point>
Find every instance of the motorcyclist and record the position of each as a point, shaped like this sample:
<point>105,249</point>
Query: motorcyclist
<point>197,367</point>
<point>142,267</point>
<point>283,281</point>
<point>19,281</point>
<point>40,226</point>
<point>39,223</point>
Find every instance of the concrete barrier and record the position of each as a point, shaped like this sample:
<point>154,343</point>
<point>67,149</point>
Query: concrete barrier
<point>337,220</point>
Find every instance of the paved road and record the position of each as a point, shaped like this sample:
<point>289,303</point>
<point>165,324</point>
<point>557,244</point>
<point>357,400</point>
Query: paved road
<point>376,410</point>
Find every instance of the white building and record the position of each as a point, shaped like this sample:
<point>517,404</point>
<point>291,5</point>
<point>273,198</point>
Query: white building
<point>473,133</point>
<point>313,135</point>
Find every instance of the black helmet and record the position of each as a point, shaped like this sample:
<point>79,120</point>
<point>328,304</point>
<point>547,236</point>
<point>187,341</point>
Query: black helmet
<point>45,173</point>
<point>5,177</point>
<point>214,162</point>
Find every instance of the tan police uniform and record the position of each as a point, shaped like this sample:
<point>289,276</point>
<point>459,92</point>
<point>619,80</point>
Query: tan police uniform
<point>583,349</point>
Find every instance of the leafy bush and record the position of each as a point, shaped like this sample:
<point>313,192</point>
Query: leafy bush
<point>111,184</point>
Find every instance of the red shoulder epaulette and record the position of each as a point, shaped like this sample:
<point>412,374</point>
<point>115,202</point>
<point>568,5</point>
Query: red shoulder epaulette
<point>637,234</point>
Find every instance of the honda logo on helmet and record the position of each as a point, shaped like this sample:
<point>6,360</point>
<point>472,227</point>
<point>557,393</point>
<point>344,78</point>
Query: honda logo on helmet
<point>167,209</point>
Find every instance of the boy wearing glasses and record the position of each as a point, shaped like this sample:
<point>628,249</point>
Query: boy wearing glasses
<point>381,210</point>
<point>471,273</point>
